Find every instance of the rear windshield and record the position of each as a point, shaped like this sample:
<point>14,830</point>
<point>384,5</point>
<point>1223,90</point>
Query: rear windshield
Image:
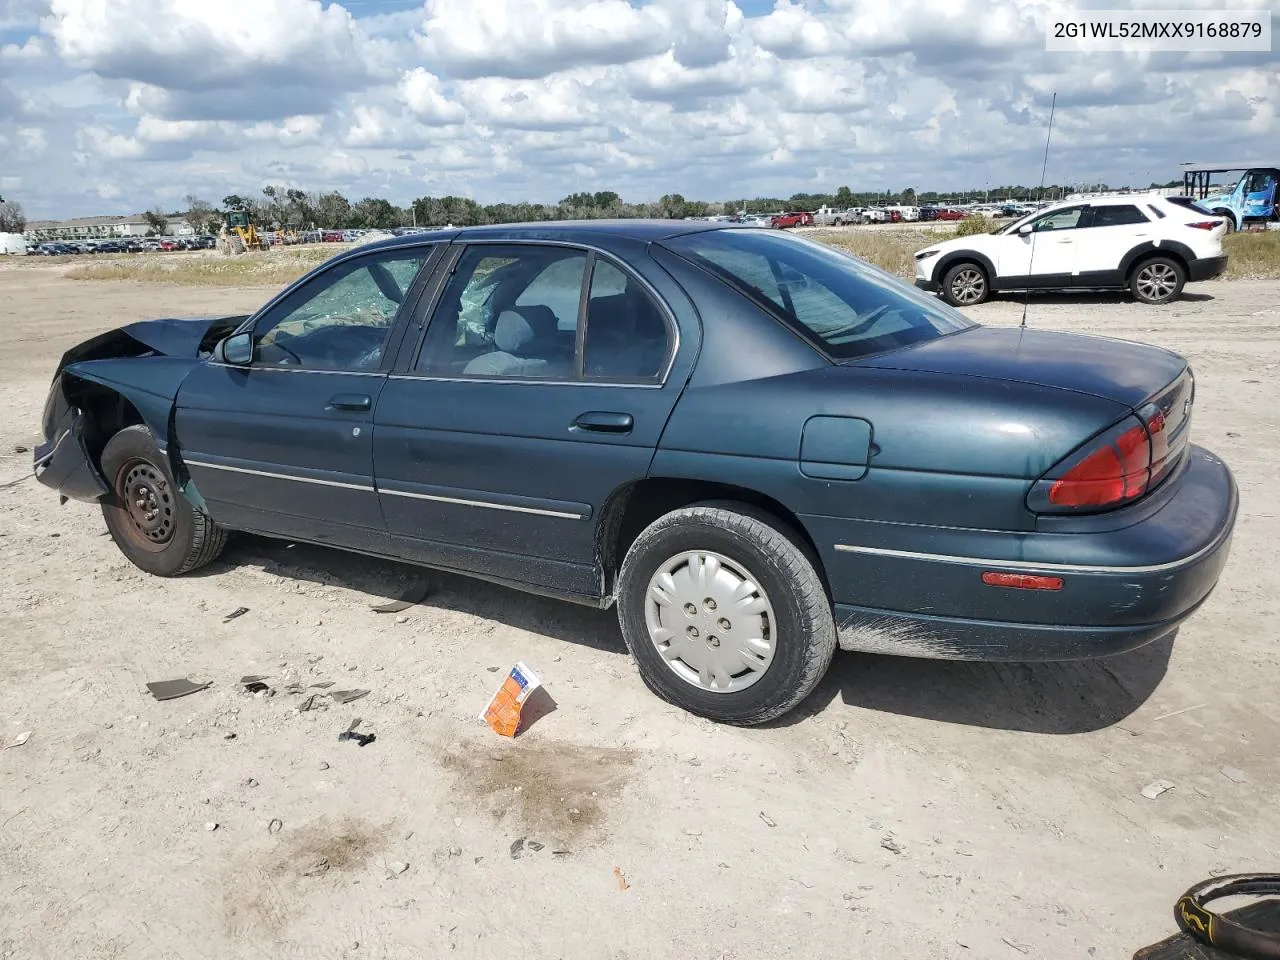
<point>845,307</point>
<point>1190,204</point>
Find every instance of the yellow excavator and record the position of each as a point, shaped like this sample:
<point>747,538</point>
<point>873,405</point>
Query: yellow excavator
<point>239,234</point>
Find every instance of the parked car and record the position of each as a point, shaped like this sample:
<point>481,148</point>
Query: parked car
<point>947,214</point>
<point>770,448</point>
<point>784,221</point>
<point>1143,243</point>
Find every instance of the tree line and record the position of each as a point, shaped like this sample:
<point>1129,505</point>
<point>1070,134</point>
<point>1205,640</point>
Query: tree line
<point>291,208</point>
<point>283,207</point>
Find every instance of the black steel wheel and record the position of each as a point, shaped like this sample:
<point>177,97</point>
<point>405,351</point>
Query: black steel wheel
<point>149,519</point>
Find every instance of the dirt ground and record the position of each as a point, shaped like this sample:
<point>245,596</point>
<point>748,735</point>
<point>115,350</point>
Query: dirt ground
<point>909,809</point>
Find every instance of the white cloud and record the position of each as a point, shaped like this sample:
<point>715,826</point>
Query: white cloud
<point>534,99</point>
<point>423,94</point>
<point>33,141</point>
<point>533,38</point>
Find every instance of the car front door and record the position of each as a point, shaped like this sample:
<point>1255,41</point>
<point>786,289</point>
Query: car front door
<point>1110,232</point>
<point>542,385</point>
<point>283,444</point>
<point>1046,254</point>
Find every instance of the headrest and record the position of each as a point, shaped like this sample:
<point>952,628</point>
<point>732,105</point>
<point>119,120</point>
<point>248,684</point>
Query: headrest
<point>515,331</point>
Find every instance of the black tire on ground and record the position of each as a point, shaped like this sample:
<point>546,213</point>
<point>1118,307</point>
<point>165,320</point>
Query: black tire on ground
<point>149,519</point>
<point>965,285</point>
<point>1157,280</point>
<point>802,629</point>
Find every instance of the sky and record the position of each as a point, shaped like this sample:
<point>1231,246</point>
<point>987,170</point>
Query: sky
<point>116,106</point>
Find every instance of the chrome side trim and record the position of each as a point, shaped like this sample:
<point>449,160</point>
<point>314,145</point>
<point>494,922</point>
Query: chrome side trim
<point>1024,566</point>
<point>527,380</point>
<point>563,515</point>
<point>278,476</point>
<point>275,369</point>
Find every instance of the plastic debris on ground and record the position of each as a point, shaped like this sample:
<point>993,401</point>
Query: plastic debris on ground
<point>346,696</point>
<point>21,738</point>
<point>362,739</point>
<point>503,712</point>
<point>622,881</point>
<point>1155,788</point>
<point>237,612</point>
<point>172,689</point>
<point>412,595</point>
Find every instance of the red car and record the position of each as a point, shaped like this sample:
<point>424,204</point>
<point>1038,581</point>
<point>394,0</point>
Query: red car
<point>951,215</point>
<point>168,245</point>
<point>784,220</point>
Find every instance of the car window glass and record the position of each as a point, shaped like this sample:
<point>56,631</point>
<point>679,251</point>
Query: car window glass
<point>1067,219</point>
<point>1117,215</point>
<point>341,319</point>
<point>844,306</point>
<point>559,287</point>
<point>507,312</point>
<point>626,336</point>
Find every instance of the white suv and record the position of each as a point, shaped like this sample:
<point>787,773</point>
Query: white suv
<point>1150,244</point>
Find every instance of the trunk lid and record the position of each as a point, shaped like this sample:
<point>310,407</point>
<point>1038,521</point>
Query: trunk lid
<point>1117,370</point>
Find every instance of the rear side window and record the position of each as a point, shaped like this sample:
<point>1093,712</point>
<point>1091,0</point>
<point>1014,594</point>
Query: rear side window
<point>842,305</point>
<point>1117,215</point>
<point>514,312</point>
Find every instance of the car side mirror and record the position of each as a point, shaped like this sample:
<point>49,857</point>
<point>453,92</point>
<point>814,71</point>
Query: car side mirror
<point>1026,228</point>
<point>236,350</point>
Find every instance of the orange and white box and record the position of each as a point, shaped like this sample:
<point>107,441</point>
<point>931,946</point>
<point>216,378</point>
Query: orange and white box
<point>503,712</point>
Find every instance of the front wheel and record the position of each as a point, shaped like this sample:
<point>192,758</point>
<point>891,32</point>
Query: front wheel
<point>1158,280</point>
<point>725,614</point>
<point>965,285</point>
<point>149,519</point>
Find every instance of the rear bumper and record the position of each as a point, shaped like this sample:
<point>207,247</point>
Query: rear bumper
<point>1122,586</point>
<point>1206,268</point>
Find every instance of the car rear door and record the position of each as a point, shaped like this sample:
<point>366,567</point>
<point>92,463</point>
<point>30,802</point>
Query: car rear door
<point>284,444</point>
<point>1110,232</point>
<point>542,385</point>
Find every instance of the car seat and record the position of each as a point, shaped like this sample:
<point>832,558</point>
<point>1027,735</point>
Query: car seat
<point>525,342</point>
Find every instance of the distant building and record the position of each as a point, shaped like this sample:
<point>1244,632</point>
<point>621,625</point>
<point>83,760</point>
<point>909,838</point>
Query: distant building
<point>101,228</point>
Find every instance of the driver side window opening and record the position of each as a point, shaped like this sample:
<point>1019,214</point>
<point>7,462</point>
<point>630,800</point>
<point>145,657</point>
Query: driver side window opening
<point>341,319</point>
<point>1067,219</point>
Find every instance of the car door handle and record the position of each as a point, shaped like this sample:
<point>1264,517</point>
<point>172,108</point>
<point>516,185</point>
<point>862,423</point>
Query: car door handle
<point>350,401</point>
<point>603,421</point>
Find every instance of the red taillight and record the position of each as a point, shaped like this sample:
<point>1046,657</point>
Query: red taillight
<point>1021,581</point>
<point>1205,224</point>
<point>1116,471</point>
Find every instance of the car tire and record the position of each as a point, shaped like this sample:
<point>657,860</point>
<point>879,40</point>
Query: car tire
<point>965,285</point>
<point>1157,280</point>
<point>769,588</point>
<point>149,519</point>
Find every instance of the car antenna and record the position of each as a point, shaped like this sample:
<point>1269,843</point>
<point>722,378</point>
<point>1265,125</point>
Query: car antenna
<point>1026,302</point>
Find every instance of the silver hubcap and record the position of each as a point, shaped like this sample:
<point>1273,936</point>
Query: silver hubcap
<point>968,286</point>
<point>1155,282</point>
<point>711,621</point>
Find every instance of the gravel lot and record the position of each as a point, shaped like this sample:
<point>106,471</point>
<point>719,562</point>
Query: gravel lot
<point>937,809</point>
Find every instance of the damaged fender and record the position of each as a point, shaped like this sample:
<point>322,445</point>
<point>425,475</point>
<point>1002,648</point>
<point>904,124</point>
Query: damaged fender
<point>143,363</point>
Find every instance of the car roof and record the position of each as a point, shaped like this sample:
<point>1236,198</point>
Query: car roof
<point>566,231</point>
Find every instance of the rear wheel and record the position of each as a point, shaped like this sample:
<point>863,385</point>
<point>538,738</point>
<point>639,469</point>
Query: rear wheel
<point>1158,280</point>
<point>725,614</point>
<point>965,284</point>
<point>150,520</point>
<point>1231,221</point>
